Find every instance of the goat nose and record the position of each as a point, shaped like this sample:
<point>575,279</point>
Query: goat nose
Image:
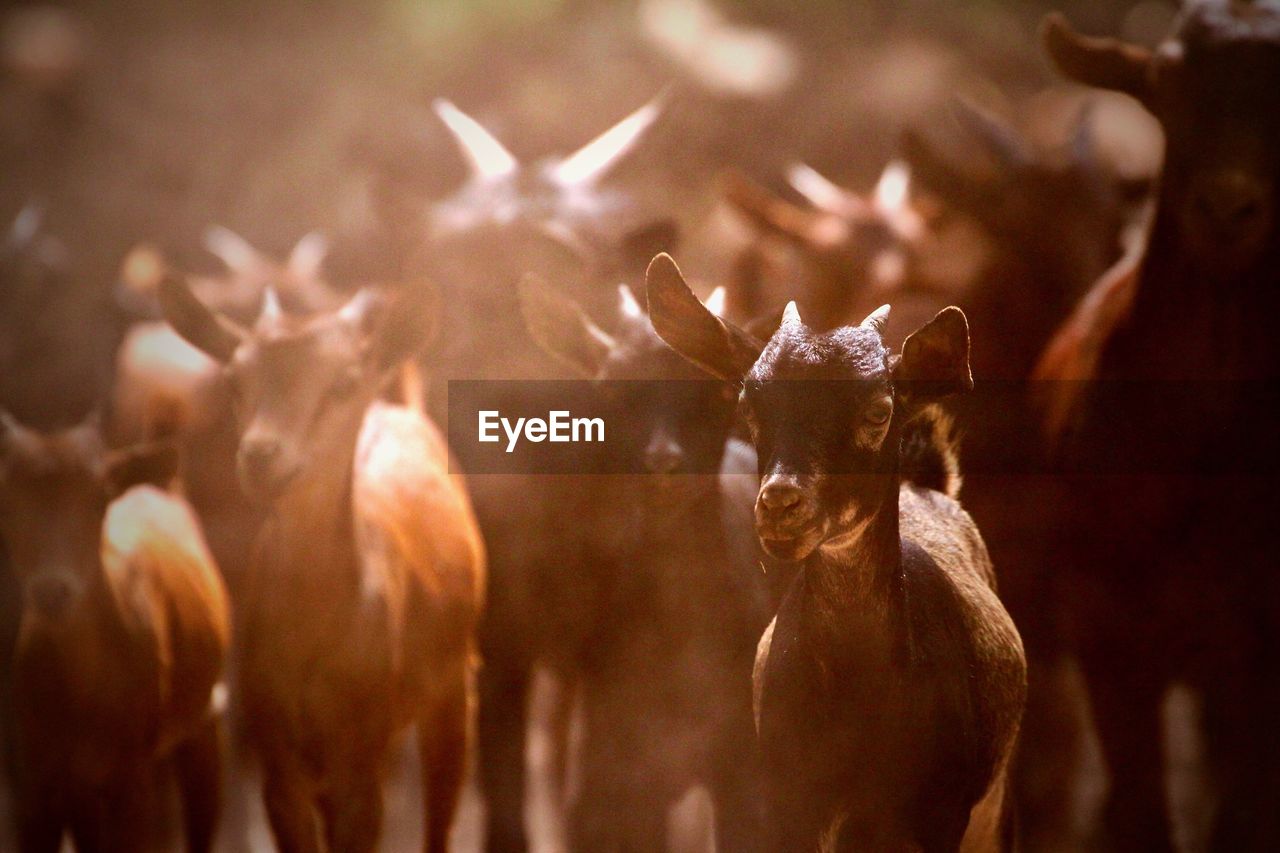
<point>259,453</point>
<point>1229,199</point>
<point>780,497</point>
<point>663,456</point>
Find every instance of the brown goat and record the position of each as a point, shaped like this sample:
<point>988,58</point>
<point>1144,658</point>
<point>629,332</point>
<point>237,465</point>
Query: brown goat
<point>1172,554</point>
<point>124,629</point>
<point>890,685</point>
<point>367,576</point>
<point>166,388</point>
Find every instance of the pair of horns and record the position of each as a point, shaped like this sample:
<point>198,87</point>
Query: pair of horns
<point>876,321</point>
<point>890,193</point>
<point>490,161</point>
<point>240,256</point>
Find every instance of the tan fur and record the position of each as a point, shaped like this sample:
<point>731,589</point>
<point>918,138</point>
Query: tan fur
<point>389,616</point>
<point>162,578</point>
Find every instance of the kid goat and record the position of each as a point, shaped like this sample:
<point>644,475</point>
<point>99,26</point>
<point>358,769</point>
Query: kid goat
<point>123,633</point>
<point>366,579</point>
<point>890,685</point>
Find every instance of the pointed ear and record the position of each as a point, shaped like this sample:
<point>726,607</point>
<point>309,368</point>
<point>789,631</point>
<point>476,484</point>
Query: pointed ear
<point>689,328</point>
<point>400,325</point>
<point>772,215</point>
<point>212,333</point>
<point>145,464</point>
<point>1103,62</point>
<point>935,359</point>
<point>559,325</point>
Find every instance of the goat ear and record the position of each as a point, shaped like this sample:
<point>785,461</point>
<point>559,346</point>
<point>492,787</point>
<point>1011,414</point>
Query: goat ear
<point>204,329</point>
<point>770,214</point>
<point>400,327</point>
<point>935,359</point>
<point>145,464</point>
<point>1107,63</point>
<point>559,325</point>
<point>689,328</point>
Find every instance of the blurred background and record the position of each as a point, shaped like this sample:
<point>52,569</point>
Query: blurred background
<point>148,121</point>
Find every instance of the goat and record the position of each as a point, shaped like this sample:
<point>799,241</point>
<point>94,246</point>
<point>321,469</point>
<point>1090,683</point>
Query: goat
<point>123,631</point>
<point>1172,568</point>
<point>166,388</point>
<point>890,685</point>
<point>665,674</point>
<point>557,219</point>
<point>366,578</point>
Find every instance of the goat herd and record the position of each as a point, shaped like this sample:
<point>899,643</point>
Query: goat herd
<point>263,545</point>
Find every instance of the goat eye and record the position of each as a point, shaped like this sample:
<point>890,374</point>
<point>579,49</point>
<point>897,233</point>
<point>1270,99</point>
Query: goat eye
<point>878,415</point>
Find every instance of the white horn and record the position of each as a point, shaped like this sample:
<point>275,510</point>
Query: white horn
<point>791,315</point>
<point>488,158</point>
<point>821,192</point>
<point>232,249</point>
<point>893,187</point>
<point>877,320</point>
<point>358,307</point>
<point>629,305</point>
<point>308,255</point>
<point>271,310</point>
<point>590,162</point>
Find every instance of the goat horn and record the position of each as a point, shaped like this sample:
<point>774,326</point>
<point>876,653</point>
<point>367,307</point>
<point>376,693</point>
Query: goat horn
<point>877,320</point>
<point>590,162</point>
<point>486,157</point>
<point>232,249</point>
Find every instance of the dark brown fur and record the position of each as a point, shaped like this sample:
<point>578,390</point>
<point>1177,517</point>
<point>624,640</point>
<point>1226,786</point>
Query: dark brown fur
<point>890,685</point>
